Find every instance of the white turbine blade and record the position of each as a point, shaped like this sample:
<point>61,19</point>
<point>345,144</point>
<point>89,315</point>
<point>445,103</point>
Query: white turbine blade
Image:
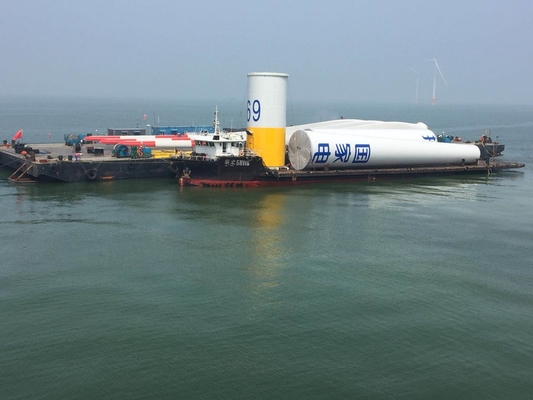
<point>440,72</point>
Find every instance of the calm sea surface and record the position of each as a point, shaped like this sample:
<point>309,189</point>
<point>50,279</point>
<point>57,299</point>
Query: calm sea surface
<point>411,289</point>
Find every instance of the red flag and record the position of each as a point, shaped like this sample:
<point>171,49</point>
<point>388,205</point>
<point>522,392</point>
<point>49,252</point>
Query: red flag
<point>18,135</point>
<point>144,116</point>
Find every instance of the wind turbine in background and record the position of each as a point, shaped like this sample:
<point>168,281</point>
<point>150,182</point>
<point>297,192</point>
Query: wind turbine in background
<point>437,69</point>
<point>417,73</point>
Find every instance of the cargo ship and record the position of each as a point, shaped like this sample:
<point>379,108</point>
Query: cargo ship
<point>268,153</point>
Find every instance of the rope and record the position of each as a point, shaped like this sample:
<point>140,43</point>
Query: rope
<point>92,166</point>
<point>5,165</point>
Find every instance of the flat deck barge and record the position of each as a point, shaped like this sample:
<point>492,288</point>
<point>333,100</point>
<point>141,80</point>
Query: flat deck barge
<point>250,172</point>
<point>55,162</point>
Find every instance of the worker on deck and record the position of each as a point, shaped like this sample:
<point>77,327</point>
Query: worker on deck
<point>76,149</point>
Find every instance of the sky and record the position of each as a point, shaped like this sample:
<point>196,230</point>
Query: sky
<point>346,51</point>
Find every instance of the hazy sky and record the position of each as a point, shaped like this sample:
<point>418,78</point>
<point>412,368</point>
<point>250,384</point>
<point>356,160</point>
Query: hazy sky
<point>332,50</point>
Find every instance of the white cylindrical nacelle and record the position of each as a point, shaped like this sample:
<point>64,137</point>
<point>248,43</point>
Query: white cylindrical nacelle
<point>266,116</point>
<point>315,150</point>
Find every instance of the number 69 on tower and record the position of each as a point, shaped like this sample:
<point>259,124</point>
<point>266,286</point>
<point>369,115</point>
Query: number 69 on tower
<point>254,110</point>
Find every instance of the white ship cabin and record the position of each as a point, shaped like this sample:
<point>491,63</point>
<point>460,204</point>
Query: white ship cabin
<point>219,144</point>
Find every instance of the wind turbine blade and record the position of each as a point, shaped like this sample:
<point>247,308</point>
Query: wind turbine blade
<point>440,72</point>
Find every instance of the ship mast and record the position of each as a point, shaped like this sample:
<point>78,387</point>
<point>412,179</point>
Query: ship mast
<point>216,123</point>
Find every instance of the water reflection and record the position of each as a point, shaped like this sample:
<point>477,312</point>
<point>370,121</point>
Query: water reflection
<point>267,241</point>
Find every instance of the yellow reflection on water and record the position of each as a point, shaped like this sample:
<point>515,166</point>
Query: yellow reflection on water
<point>268,250</point>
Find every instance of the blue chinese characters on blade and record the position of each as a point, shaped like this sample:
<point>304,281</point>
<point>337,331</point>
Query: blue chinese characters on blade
<point>343,153</point>
<point>362,153</point>
<point>321,156</point>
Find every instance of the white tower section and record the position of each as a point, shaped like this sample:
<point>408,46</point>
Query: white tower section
<point>266,116</point>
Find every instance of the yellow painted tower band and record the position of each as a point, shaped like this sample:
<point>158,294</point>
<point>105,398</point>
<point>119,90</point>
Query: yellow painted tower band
<point>269,143</point>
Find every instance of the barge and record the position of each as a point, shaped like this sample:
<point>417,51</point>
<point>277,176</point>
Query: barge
<point>269,153</point>
<point>244,169</point>
<point>129,155</point>
<point>57,163</point>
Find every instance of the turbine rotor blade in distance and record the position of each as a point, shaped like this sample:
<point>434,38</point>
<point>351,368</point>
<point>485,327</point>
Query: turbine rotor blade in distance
<point>440,72</point>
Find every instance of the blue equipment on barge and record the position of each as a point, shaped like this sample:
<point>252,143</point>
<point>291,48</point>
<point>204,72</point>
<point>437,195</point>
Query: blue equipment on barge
<point>74,138</point>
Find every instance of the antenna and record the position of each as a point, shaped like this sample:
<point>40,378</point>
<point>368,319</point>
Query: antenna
<point>216,123</point>
<point>437,69</point>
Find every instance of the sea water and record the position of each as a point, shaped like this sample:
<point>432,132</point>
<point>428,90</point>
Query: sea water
<point>142,289</point>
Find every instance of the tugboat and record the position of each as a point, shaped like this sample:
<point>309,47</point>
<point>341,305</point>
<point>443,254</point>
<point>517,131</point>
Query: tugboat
<point>218,155</point>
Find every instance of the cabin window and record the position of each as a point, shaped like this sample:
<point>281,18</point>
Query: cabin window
<point>224,145</point>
